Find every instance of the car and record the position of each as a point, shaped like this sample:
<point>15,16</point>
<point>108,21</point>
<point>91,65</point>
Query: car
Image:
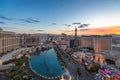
<point>97,74</point>
<point>102,78</point>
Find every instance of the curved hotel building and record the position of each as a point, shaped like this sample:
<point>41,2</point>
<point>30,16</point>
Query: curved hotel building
<point>8,41</point>
<point>98,43</point>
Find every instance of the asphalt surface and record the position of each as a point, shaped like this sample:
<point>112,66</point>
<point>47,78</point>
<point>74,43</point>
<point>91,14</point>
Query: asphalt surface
<point>72,65</point>
<point>9,55</point>
<point>3,77</point>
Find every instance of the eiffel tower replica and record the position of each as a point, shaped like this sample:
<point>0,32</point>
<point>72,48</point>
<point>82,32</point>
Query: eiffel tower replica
<point>75,48</point>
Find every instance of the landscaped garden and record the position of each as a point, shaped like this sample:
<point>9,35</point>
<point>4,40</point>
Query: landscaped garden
<point>59,55</point>
<point>18,72</point>
<point>94,68</point>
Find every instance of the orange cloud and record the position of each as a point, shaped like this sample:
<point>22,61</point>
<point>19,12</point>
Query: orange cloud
<point>98,31</point>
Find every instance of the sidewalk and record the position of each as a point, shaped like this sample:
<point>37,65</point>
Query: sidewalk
<point>9,55</point>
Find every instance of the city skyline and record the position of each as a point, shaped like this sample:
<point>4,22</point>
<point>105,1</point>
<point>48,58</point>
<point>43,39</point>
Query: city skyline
<point>56,16</point>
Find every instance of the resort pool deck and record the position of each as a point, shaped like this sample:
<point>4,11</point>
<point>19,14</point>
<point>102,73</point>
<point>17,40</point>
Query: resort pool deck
<point>46,64</point>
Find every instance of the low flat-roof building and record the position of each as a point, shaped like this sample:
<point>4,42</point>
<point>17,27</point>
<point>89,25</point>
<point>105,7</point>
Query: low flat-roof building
<point>99,58</point>
<point>113,55</point>
<point>6,67</point>
<point>108,72</point>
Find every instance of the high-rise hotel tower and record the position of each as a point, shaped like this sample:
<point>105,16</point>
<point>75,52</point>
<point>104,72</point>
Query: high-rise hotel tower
<point>98,43</point>
<point>8,41</point>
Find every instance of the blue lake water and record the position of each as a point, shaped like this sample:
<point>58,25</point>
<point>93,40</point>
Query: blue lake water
<point>46,64</point>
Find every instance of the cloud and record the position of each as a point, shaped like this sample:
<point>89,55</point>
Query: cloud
<point>33,20</point>
<point>76,23</point>
<point>54,24</point>
<point>67,25</point>
<point>19,24</point>
<point>68,30</point>
<point>97,31</point>
<point>10,28</point>
<point>38,30</point>
<point>29,20</point>
<point>2,22</point>
<point>83,25</point>
<point>83,29</point>
<point>5,18</point>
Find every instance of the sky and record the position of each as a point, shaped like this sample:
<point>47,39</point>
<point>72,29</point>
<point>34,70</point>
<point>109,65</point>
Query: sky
<point>60,16</point>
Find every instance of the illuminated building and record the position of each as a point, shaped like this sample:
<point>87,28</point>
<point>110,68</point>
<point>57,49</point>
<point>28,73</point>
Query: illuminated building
<point>107,72</point>
<point>71,43</point>
<point>86,41</point>
<point>99,58</point>
<point>78,56</point>
<point>98,43</point>
<point>29,40</point>
<point>63,44</point>
<point>113,55</point>
<point>87,57</point>
<point>117,62</point>
<point>8,41</point>
<point>64,36</point>
<point>116,76</point>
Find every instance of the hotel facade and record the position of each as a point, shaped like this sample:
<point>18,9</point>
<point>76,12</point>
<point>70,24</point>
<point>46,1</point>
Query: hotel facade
<point>8,41</point>
<point>29,40</point>
<point>98,43</point>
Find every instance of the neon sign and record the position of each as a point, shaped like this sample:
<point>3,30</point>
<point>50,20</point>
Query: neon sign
<point>117,75</point>
<point>105,70</point>
<point>101,67</point>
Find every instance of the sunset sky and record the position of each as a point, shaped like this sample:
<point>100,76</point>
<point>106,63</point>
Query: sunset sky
<point>58,16</point>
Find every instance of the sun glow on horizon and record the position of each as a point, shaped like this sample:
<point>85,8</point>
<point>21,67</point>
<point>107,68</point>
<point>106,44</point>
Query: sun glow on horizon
<point>104,21</point>
<point>97,31</point>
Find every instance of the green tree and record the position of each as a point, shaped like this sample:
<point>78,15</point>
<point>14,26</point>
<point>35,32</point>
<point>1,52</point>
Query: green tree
<point>79,72</point>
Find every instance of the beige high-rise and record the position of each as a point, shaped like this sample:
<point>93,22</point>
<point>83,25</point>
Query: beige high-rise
<point>8,41</point>
<point>29,40</point>
<point>98,43</point>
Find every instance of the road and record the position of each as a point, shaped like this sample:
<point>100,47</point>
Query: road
<point>3,77</point>
<point>9,55</point>
<point>72,65</point>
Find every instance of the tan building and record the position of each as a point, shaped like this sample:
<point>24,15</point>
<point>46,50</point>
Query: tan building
<point>29,40</point>
<point>98,43</point>
<point>99,58</point>
<point>78,56</point>
<point>8,41</point>
<point>117,62</point>
<point>86,41</point>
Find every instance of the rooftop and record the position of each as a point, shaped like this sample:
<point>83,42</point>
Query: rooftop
<point>4,67</point>
<point>114,53</point>
<point>112,68</point>
<point>1,29</point>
